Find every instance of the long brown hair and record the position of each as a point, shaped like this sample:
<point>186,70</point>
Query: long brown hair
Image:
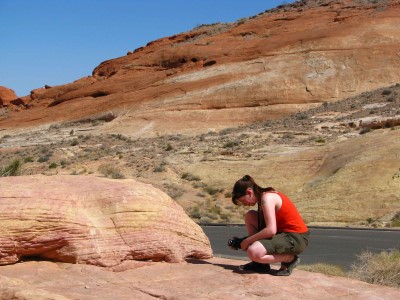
<point>240,187</point>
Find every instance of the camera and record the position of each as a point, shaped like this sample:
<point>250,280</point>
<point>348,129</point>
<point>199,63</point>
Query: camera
<point>235,242</point>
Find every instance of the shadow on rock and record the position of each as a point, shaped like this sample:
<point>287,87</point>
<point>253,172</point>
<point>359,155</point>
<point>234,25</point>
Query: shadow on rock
<point>233,268</point>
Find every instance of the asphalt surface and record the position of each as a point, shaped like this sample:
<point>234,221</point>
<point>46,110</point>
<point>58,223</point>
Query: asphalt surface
<point>338,246</point>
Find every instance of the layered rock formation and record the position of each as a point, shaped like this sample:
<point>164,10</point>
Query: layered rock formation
<point>6,96</point>
<point>93,220</point>
<point>223,75</point>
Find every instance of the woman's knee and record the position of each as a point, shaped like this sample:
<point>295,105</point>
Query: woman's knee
<point>251,217</point>
<point>256,250</point>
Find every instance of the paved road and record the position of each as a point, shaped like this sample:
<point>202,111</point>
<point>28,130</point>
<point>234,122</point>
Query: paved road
<point>339,246</point>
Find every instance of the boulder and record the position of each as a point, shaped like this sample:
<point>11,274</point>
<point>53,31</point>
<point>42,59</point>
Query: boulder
<point>6,96</point>
<point>92,220</point>
<point>380,122</point>
<point>18,102</point>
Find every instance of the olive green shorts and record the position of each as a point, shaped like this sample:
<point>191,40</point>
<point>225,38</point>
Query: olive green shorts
<point>286,243</point>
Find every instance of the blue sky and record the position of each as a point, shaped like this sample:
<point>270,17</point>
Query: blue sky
<point>55,42</point>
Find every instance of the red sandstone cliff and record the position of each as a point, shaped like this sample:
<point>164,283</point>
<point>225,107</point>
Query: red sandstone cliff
<point>264,67</point>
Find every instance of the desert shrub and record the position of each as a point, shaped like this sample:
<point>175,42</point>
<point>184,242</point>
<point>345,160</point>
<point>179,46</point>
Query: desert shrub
<point>28,159</point>
<point>112,171</point>
<point>45,150</point>
<point>373,222</point>
<point>301,116</point>
<point>195,213</point>
<point>43,159</point>
<point>386,92</point>
<point>391,99</point>
<point>365,130</point>
<point>288,136</point>
<point>75,142</point>
<point>168,147</point>
<point>382,268</point>
<point>211,190</point>
<point>54,127</point>
<point>205,220</point>
<point>228,130</point>
<point>327,269</point>
<point>396,175</point>
<point>121,137</point>
<point>173,190</point>
<point>198,184</point>
<point>200,194</point>
<point>210,215</point>
<point>63,163</point>
<point>241,21</point>
<point>215,210</point>
<point>53,165</point>
<point>190,177</point>
<point>225,217</point>
<point>13,169</point>
<point>269,123</point>
<point>231,144</point>
<point>395,221</point>
<point>160,167</point>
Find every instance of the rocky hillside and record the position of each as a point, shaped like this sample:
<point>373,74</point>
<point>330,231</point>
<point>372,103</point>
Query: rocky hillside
<point>259,68</point>
<point>311,110</point>
<point>335,161</point>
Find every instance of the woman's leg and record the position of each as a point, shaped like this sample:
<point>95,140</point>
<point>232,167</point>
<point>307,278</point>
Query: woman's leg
<point>251,221</point>
<point>256,252</point>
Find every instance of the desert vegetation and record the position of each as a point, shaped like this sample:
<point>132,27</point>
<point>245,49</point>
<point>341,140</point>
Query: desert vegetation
<point>327,269</point>
<point>382,268</point>
<point>378,268</point>
<point>13,169</point>
<point>198,171</point>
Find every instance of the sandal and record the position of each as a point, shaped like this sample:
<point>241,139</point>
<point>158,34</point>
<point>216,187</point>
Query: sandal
<point>289,267</point>
<point>256,267</point>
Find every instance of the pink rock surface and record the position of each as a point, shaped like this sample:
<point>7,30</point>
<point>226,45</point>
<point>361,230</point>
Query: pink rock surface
<point>92,220</point>
<point>214,278</point>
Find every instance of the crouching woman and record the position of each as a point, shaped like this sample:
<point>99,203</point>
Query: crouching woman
<point>276,231</point>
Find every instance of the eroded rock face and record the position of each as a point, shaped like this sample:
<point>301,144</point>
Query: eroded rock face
<point>222,75</point>
<point>6,96</point>
<point>91,220</point>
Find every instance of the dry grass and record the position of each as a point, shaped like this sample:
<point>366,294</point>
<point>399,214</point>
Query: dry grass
<point>376,268</point>
<point>112,171</point>
<point>382,268</point>
<point>327,269</point>
<point>13,169</point>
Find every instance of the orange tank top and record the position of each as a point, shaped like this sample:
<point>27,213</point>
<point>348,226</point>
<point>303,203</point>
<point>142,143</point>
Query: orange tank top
<point>288,218</point>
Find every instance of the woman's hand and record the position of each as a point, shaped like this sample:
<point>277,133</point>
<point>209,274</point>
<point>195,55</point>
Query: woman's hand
<point>245,244</point>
